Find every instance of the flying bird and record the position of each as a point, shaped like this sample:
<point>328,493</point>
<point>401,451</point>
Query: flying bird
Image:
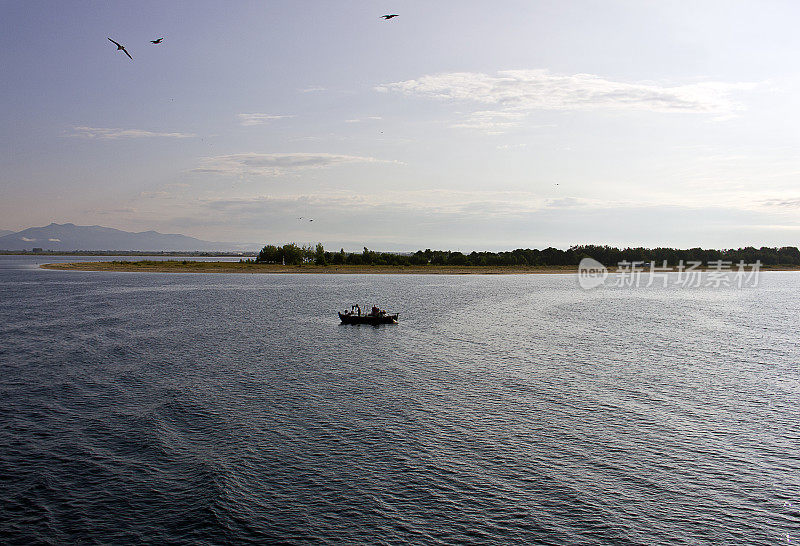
<point>121,47</point>
<point>387,17</point>
<point>156,41</point>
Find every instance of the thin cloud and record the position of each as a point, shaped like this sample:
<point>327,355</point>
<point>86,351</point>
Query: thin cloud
<point>775,227</point>
<point>566,202</point>
<point>529,90</point>
<point>493,122</point>
<point>518,146</point>
<point>256,118</point>
<point>113,134</point>
<point>254,164</point>
<point>368,118</point>
<point>451,212</point>
<point>485,203</point>
<point>443,216</point>
<point>782,203</point>
<point>154,194</point>
<point>117,211</point>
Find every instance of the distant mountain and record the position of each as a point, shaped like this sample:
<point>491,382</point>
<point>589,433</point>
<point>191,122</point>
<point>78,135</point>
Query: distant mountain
<point>66,237</point>
<point>5,232</point>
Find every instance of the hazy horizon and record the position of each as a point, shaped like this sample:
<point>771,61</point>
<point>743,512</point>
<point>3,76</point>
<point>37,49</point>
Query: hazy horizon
<point>334,246</point>
<point>515,125</point>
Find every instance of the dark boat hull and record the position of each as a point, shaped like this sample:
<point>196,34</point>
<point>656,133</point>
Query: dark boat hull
<point>368,319</point>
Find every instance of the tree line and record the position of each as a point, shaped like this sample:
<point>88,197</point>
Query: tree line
<point>293,254</point>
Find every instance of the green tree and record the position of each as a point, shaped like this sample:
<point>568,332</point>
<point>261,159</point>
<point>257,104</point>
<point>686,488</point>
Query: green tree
<point>319,255</point>
<point>292,254</point>
<point>270,254</point>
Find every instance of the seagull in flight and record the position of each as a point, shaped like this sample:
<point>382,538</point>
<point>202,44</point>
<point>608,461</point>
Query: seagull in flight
<point>387,17</point>
<point>122,47</point>
<point>156,41</point>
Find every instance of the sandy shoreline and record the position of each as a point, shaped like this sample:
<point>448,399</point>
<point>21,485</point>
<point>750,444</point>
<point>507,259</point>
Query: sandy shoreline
<point>175,266</point>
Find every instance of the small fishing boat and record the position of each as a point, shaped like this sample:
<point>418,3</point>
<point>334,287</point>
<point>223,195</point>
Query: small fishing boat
<point>375,317</point>
<point>368,319</point>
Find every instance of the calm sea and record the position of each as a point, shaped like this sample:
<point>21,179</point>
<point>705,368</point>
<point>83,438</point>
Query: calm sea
<point>207,409</point>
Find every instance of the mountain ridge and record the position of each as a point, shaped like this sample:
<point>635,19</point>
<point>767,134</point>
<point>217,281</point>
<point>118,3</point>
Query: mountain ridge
<point>69,236</point>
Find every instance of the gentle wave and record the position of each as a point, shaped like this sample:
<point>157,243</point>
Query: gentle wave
<point>226,409</point>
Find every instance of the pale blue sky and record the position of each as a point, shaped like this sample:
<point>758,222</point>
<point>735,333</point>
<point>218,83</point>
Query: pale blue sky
<point>463,125</point>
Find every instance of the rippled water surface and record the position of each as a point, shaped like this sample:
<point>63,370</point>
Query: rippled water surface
<point>223,408</point>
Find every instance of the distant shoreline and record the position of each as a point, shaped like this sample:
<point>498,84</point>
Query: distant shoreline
<point>186,266</point>
<point>133,253</point>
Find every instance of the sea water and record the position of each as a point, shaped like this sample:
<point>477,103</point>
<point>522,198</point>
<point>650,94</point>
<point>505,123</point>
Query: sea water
<point>230,408</point>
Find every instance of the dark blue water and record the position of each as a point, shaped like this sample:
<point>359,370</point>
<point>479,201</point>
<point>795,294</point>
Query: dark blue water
<point>201,408</point>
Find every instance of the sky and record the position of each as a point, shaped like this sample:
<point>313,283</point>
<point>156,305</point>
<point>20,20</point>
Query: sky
<point>467,125</point>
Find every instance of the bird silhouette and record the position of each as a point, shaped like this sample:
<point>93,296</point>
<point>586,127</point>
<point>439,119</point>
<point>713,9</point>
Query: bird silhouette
<point>156,41</point>
<point>120,47</point>
<point>387,17</point>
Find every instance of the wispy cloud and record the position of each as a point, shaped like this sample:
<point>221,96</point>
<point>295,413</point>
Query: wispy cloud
<point>155,194</point>
<point>514,93</point>
<point>438,217</point>
<point>257,118</point>
<point>493,122</point>
<point>782,203</point>
<point>413,206</point>
<point>518,146</point>
<point>443,217</point>
<point>112,134</point>
<point>479,203</point>
<point>112,211</point>
<point>312,89</point>
<point>255,164</point>
<point>359,120</point>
